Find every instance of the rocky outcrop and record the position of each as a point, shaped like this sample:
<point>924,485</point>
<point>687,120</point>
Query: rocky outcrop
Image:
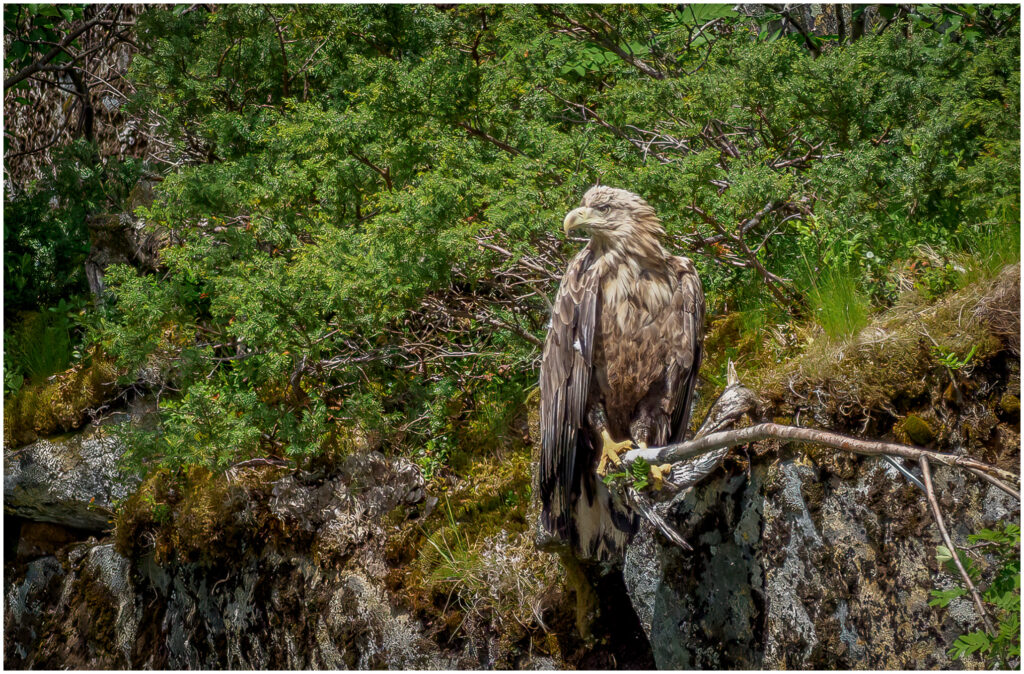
<point>794,568</point>
<point>71,480</point>
<point>806,557</point>
<point>305,588</point>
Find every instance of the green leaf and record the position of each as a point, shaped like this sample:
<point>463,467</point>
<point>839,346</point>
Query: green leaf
<point>1008,601</point>
<point>942,598</point>
<point>970,643</point>
<point>640,469</point>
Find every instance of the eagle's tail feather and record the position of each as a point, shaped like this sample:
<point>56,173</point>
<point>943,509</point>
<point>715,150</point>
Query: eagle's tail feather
<point>603,527</point>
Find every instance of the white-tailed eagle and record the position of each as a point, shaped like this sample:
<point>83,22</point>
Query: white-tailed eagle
<point>619,366</point>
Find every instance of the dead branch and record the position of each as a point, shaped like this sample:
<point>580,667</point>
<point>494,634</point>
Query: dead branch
<point>767,430</point>
<point>926,472</point>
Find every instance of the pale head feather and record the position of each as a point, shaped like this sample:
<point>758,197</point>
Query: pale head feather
<point>620,222</point>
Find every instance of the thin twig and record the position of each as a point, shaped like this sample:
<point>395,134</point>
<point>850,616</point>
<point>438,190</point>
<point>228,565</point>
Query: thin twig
<point>937,514</point>
<point>1015,493</point>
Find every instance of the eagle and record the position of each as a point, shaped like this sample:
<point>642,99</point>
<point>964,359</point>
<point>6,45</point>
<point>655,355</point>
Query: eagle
<point>618,370</point>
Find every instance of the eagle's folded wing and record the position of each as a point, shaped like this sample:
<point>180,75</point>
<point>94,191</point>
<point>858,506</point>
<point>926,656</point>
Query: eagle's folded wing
<point>564,385</point>
<point>691,296</point>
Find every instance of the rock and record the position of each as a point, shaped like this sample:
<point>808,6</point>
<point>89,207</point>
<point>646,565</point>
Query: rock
<point>27,601</point>
<point>269,602</point>
<point>121,238</point>
<point>914,430</point>
<point>701,609</point>
<point>794,568</point>
<point>40,539</point>
<point>72,480</point>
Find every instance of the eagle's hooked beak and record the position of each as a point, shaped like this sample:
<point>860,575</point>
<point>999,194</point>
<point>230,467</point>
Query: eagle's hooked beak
<point>577,218</point>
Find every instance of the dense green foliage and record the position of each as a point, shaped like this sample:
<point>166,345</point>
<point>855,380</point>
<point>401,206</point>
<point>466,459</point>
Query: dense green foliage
<point>364,200</point>
<point>46,241</point>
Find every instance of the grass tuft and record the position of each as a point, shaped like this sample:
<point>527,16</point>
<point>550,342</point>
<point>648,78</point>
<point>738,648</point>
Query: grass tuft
<point>837,304</point>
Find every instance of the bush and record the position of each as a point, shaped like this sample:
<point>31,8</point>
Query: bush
<point>364,214</point>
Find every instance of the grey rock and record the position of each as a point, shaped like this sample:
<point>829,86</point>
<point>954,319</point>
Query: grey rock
<point>793,568</point>
<point>71,480</point>
<point>699,608</point>
<point>269,604</point>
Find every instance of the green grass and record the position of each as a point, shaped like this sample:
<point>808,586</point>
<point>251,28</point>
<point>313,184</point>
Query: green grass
<point>987,251</point>
<point>837,304</point>
<point>40,345</point>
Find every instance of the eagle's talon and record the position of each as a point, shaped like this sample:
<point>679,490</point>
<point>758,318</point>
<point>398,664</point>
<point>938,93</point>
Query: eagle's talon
<point>658,475</point>
<point>610,452</point>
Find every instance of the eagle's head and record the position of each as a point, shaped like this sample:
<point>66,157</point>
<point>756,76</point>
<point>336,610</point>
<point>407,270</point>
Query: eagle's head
<point>614,217</point>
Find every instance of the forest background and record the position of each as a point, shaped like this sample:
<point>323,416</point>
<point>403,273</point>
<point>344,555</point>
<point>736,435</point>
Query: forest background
<point>357,208</point>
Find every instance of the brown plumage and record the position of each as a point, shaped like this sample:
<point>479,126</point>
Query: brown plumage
<point>621,357</point>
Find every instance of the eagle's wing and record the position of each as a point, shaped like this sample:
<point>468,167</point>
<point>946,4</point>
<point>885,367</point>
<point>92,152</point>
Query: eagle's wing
<point>564,384</point>
<point>692,346</point>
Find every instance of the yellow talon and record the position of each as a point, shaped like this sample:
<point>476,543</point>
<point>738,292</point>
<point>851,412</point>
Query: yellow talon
<point>610,451</point>
<point>658,475</point>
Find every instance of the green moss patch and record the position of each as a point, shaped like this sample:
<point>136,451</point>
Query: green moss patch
<point>58,405</point>
<point>914,430</point>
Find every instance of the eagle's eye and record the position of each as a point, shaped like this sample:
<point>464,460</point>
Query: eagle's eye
<point>603,208</point>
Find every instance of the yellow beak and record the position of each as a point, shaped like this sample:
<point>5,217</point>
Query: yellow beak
<point>577,218</point>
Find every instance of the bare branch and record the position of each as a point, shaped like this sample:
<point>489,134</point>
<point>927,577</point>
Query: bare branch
<point>937,514</point>
<point>763,431</point>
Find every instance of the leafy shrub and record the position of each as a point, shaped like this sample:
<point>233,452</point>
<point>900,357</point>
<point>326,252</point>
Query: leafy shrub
<point>46,234</point>
<point>364,214</point>
<point>1000,553</point>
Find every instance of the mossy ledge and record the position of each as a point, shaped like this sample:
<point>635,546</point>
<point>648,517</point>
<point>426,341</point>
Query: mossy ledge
<point>60,404</point>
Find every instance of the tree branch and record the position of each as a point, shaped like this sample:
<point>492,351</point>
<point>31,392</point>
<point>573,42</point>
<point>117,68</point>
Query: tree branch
<point>926,472</point>
<point>473,131</point>
<point>764,431</point>
<point>35,66</point>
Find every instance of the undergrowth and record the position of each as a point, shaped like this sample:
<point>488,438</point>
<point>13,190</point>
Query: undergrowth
<point>58,404</point>
<point>992,558</point>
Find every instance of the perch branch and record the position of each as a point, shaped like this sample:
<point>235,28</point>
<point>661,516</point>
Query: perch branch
<point>696,459</point>
<point>763,431</point>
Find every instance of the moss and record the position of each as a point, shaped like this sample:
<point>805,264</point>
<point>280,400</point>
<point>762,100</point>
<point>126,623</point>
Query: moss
<point>914,430</point>
<point>889,366</point>
<point>1009,404</point>
<point>197,516</point>
<point>58,406</point>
